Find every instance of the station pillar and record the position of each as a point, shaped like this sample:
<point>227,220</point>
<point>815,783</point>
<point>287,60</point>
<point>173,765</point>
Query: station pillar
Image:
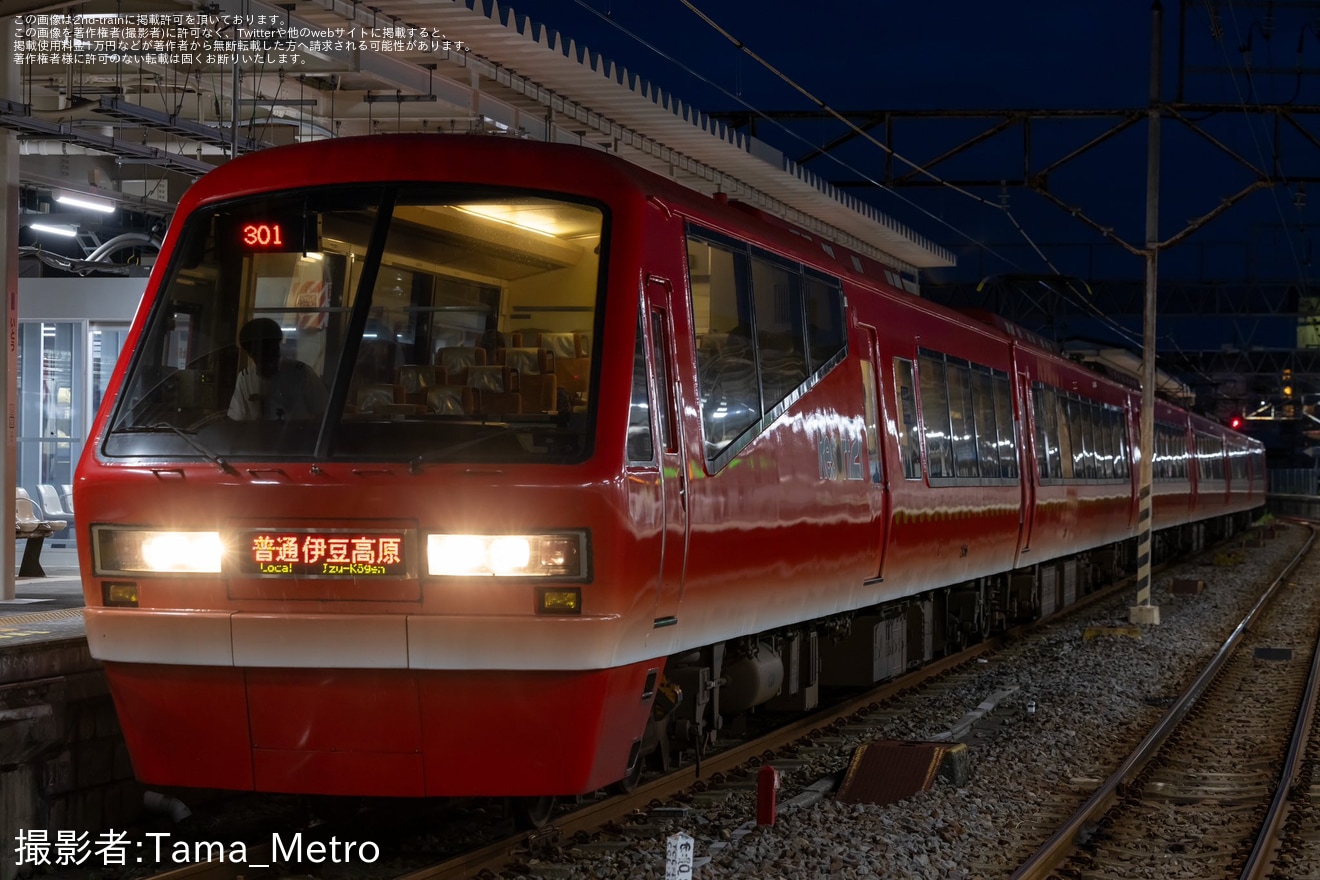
<point>10,77</point>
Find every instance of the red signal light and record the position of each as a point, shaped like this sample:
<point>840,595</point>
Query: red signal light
<point>1235,423</point>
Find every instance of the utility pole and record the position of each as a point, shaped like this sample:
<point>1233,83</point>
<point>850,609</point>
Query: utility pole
<point>1143,611</point>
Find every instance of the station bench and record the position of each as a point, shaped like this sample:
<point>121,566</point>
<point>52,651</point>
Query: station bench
<point>29,524</point>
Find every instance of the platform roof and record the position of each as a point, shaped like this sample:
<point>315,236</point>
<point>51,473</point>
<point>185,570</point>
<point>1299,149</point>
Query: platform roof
<point>513,77</point>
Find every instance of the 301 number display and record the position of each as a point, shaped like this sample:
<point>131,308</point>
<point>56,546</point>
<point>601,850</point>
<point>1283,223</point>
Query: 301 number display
<point>263,235</point>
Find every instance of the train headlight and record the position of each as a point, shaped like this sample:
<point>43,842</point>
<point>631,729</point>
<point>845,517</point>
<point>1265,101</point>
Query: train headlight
<point>121,551</point>
<point>560,555</point>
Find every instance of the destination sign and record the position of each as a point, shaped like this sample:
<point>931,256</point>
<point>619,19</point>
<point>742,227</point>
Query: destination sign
<point>321,554</point>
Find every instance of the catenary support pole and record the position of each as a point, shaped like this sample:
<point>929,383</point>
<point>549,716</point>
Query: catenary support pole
<point>1144,611</point>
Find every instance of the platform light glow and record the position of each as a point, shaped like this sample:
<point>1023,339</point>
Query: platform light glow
<point>65,231</point>
<point>86,202</point>
<point>506,555</point>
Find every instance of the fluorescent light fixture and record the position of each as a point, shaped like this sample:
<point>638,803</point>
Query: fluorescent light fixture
<point>528,218</point>
<point>66,231</point>
<point>90,203</point>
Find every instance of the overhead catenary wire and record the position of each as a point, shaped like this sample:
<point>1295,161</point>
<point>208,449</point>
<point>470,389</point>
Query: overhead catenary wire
<point>760,114</point>
<point>1256,141</point>
<point>1082,301</point>
<point>866,135</point>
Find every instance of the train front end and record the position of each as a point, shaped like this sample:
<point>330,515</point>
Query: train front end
<point>353,512</point>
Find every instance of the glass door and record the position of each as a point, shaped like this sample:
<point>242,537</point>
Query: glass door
<point>63,370</point>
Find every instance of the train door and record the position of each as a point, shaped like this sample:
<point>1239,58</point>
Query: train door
<point>873,407</point>
<point>658,325</point>
<point>1132,427</point>
<point>1027,440</point>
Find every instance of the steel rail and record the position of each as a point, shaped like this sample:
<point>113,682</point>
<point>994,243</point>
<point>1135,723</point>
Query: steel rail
<point>1261,857</point>
<point>1064,840</point>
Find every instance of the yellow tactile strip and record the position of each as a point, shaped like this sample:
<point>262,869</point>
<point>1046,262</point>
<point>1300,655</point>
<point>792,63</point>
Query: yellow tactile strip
<point>40,617</point>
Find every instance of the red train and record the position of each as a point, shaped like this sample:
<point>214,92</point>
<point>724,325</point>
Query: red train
<point>442,465</point>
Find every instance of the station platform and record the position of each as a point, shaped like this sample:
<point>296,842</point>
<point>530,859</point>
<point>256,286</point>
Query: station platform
<point>45,609</point>
<point>64,766</point>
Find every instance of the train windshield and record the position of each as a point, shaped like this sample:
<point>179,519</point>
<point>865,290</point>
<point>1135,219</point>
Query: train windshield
<point>388,323</point>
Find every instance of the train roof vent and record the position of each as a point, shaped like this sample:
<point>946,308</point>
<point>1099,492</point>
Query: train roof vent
<point>1125,366</point>
<point>1002,324</point>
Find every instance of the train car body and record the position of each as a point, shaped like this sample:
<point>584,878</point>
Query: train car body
<point>541,439</point>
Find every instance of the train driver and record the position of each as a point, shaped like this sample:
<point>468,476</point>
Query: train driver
<point>274,387</point>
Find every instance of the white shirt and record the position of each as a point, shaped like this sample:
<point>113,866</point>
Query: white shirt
<point>294,392</point>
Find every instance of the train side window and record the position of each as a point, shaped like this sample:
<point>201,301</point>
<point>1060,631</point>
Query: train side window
<point>1100,436</point>
<point>1104,442</point>
<point>909,429</point>
<point>1091,439</point>
<point>1085,448</point>
<point>1124,459</point>
<point>1163,455</point>
<point>962,423</point>
<point>1043,437</point>
<point>1008,461</point>
<point>777,296</point>
<point>1173,453</point>
<point>1211,451</point>
<point>727,379</point>
<point>1119,447</point>
<point>1239,464</point>
<point>987,437</point>
<point>1047,420</point>
<point>871,407</point>
<point>826,334</point>
<point>1161,467</point>
<point>1067,438</point>
<point>1177,455</point>
<point>1157,456</point>
<point>660,345</point>
<point>641,446</point>
<point>935,417</point>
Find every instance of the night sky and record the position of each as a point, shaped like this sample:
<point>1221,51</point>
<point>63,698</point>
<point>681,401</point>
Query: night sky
<point>1026,55</point>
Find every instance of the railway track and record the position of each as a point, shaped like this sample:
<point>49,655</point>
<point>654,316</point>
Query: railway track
<point>1206,792</point>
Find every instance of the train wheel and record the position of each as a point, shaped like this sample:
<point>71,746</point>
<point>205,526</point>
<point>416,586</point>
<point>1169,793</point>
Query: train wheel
<point>532,813</point>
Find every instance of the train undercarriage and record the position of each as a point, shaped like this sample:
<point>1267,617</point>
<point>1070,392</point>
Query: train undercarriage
<point>707,690</point>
